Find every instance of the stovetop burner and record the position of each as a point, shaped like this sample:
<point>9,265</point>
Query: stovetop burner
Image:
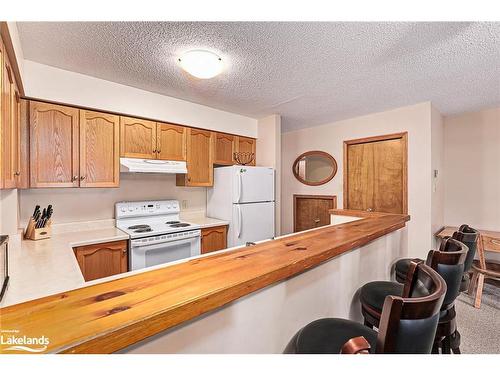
<point>180,225</point>
<point>173,222</point>
<point>143,230</point>
<point>140,226</point>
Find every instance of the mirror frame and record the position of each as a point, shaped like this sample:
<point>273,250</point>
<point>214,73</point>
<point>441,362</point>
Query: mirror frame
<point>321,153</point>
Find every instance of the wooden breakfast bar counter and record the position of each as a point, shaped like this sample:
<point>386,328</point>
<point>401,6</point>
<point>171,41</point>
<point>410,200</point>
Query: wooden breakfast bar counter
<point>245,300</point>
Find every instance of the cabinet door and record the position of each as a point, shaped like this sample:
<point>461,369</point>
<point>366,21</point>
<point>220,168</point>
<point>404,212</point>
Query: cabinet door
<point>54,149</point>
<point>247,145</point>
<point>137,138</point>
<point>171,141</point>
<point>200,156</point>
<point>224,149</point>
<point>99,149</point>
<point>7,130</point>
<point>102,260</point>
<point>213,239</point>
<point>23,180</point>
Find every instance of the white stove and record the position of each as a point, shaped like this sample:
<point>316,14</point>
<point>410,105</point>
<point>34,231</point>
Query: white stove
<point>157,235</point>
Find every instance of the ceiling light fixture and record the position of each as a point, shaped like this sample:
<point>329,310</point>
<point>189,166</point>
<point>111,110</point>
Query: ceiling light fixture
<point>201,64</point>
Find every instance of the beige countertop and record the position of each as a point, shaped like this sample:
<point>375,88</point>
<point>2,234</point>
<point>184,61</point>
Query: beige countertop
<point>45,267</point>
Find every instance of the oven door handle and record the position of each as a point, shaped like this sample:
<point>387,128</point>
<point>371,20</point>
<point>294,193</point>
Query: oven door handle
<point>162,244</point>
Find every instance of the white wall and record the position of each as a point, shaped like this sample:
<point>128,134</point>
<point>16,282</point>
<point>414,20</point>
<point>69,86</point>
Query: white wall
<point>86,204</point>
<point>437,164</point>
<point>268,151</point>
<point>53,84</point>
<point>472,163</point>
<point>415,119</point>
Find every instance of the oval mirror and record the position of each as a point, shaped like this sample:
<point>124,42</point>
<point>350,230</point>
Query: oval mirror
<point>314,168</point>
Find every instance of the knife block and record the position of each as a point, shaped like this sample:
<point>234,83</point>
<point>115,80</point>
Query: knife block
<point>36,234</point>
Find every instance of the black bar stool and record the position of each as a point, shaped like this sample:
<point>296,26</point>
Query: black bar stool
<point>407,325</point>
<point>449,263</point>
<point>465,234</point>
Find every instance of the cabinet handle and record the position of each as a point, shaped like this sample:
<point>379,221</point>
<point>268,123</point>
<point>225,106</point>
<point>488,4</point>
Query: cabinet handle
<point>17,174</point>
<point>124,251</point>
<point>155,151</point>
<point>74,178</point>
<point>316,221</point>
<point>82,178</point>
<point>369,209</point>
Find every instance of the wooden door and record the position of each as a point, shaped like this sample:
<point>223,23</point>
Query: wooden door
<point>200,156</point>
<point>8,129</point>
<point>375,177</point>
<point>247,145</point>
<point>312,211</point>
<point>99,149</point>
<point>54,146</point>
<point>224,149</point>
<point>171,141</point>
<point>102,260</point>
<point>137,138</point>
<point>213,239</point>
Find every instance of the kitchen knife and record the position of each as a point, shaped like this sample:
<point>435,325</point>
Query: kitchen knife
<point>37,207</point>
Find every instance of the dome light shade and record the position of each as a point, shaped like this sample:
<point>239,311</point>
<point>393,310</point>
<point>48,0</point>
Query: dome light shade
<point>201,64</point>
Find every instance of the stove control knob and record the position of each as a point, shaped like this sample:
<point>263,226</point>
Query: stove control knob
<point>123,209</point>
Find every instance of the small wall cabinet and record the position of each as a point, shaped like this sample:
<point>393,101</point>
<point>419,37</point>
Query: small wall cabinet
<point>102,260</point>
<point>138,138</point>
<point>245,144</point>
<point>200,156</point>
<point>225,147</point>
<point>171,141</point>
<point>213,239</point>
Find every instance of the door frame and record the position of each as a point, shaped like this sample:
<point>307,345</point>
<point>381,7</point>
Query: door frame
<point>403,136</point>
<point>333,198</point>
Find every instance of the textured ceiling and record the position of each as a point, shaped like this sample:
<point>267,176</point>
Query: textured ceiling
<point>310,73</point>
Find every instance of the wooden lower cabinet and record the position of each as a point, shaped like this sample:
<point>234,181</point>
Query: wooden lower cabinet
<point>102,260</point>
<point>213,239</point>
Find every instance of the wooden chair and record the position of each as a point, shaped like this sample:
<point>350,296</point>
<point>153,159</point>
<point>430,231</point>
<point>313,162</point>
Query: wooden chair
<point>407,324</point>
<point>449,263</point>
<point>482,270</point>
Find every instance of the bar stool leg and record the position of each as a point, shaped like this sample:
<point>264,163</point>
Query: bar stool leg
<point>479,291</point>
<point>455,342</point>
<point>445,345</point>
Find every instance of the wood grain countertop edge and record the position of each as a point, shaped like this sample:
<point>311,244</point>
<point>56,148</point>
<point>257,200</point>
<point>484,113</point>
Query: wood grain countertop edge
<point>116,337</point>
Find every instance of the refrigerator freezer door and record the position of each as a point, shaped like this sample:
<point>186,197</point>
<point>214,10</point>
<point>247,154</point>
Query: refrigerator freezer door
<point>252,222</point>
<point>253,184</point>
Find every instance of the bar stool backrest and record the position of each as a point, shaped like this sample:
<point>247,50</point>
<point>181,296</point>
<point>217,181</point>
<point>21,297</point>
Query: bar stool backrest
<point>469,236</point>
<point>408,325</point>
<point>448,261</point>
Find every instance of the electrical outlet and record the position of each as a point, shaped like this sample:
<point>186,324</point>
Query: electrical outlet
<point>184,204</point>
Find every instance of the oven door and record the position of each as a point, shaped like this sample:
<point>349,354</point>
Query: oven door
<point>153,251</point>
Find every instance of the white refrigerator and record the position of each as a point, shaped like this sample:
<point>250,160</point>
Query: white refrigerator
<point>244,196</point>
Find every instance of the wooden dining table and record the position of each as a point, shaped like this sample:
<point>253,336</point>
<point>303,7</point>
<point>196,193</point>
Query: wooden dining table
<point>489,241</point>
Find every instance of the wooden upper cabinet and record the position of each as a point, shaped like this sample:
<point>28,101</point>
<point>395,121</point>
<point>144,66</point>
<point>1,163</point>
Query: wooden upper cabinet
<point>8,128</point>
<point>23,179</point>
<point>102,260</point>
<point>99,149</point>
<point>54,145</point>
<point>225,147</point>
<point>170,141</point>
<point>137,138</point>
<point>200,156</point>
<point>245,144</point>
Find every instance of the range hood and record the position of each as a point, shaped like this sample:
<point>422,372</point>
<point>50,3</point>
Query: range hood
<point>132,165</point>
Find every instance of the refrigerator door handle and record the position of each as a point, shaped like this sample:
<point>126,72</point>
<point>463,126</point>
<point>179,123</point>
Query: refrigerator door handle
<point>240,182</point>
<point>240,219</point>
